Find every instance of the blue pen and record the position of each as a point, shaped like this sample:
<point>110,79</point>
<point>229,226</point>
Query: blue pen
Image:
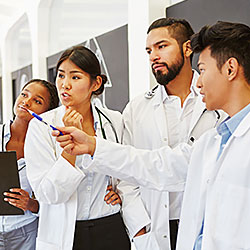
<point>41,120</point>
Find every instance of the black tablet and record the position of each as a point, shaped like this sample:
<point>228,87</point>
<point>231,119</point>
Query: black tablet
<point>9,178</point>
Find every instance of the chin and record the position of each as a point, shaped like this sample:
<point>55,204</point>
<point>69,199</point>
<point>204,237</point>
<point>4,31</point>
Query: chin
<point>210,107</point>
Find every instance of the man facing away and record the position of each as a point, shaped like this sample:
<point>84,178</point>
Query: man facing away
<point>215,212</point>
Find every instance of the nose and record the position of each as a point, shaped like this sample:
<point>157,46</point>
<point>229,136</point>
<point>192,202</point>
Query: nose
<point>66,83</point>
<point>154,56</point>
<point>27,102</point>
<point>199,82</point>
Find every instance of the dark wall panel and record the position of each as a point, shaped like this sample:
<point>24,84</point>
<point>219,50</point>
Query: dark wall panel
<point>19,78</point>
<point>111,49</point>
<point>202,12</point>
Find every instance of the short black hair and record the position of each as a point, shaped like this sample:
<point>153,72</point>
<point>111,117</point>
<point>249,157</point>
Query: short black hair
<point>86,60</point>
<point>179,29</point>
<point>225,40</point>
<point>54,99</point>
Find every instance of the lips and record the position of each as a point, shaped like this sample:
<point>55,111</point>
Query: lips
<point>64,94</point>
<point>157,66</point>
<point>23,108</point>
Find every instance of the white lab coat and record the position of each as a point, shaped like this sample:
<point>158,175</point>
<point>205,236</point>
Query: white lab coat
<point>222,189</point>
<point>219,189</point>
<point>56,187</point>
<point>146,128</point>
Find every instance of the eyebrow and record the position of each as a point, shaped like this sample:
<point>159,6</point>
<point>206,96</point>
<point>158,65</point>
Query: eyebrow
<point>36,95</point>
<point>198,64</point>
<point>73,71</point>
<point>157,43</point>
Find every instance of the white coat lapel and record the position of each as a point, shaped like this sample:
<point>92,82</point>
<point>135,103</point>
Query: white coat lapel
<point>197,113</point>
<point>159,114</point>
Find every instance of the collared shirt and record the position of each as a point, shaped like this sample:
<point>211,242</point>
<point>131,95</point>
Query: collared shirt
<point>92,189</point>
<point>9,223</point>
<point>178,120</point>
<point>225,130</point>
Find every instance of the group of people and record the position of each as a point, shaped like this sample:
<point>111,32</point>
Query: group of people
<point>164,188</point>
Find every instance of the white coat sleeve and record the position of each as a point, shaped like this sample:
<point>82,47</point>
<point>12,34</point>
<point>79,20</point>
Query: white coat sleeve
<point>160,169</point>
<point>52,178</point>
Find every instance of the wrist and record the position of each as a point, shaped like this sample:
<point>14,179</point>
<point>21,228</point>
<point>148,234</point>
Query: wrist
<point>33,205</point>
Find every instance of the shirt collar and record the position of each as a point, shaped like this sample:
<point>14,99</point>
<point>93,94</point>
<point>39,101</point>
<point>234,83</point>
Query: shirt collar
<point>231,124</point>
<point>194,90</point>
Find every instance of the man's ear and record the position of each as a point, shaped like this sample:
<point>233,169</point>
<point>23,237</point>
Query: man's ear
<point>187,51</point>
<point>231,68</point>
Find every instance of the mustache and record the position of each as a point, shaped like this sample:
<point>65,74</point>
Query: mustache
<point>162,63</point>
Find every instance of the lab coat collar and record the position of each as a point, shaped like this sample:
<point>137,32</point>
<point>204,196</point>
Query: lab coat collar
<point>243,127</point>
<point>96,103</point>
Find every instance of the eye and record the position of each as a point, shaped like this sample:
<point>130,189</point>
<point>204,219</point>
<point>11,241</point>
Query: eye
<point>201,70</point>
<point>75,77</point>
<point>162,46</point>
<point>60,75</point>
<point>148,52</point>
<point>37,101</point>
<point>23,94</point>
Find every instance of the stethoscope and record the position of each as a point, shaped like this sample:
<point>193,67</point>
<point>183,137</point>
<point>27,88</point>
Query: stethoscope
<point>4,150</point>
<point>100,113</point>
<point>218,116</point>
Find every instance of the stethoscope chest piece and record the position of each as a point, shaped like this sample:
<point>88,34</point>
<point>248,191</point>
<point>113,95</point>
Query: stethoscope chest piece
<point>149,94</point>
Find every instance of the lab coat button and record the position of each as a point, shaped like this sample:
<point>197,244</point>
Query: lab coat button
<point>208,181</point>
<point>166,206</point>
<point>165,139</point>
<point>165,236</point>
<point>88,188</point>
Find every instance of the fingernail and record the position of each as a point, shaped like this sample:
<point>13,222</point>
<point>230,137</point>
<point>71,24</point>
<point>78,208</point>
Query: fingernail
<point>5,193</point>
<point>5,199</point>
<point>11,190</point>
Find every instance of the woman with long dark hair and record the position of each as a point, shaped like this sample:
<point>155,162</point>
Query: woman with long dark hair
<point>73,210</point>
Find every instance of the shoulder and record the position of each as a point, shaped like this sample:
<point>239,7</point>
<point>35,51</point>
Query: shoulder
<point>146,98</point>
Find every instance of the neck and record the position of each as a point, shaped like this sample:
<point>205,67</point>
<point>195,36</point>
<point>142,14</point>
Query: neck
<point>180,86</point>
<point>238,98</point>
<point>85,111</point>
<point>19,129</point>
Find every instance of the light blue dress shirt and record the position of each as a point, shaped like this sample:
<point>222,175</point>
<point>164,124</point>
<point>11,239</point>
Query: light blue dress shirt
<point>11,222</point>
<point>225,130</point>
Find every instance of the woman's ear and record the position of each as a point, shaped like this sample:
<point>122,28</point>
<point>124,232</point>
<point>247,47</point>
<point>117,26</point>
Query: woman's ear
<point>187,51</point>
<point>97,83</point>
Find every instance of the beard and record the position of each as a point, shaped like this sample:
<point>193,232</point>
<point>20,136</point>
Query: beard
<point>173,71</point>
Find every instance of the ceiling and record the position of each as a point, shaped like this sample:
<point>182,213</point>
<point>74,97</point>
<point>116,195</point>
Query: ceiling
<point>8,10</point>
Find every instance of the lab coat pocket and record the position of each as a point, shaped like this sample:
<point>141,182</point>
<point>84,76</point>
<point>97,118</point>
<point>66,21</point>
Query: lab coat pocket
<point>231,216</point>
<point>146,242</point>
<point>42,245</point>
